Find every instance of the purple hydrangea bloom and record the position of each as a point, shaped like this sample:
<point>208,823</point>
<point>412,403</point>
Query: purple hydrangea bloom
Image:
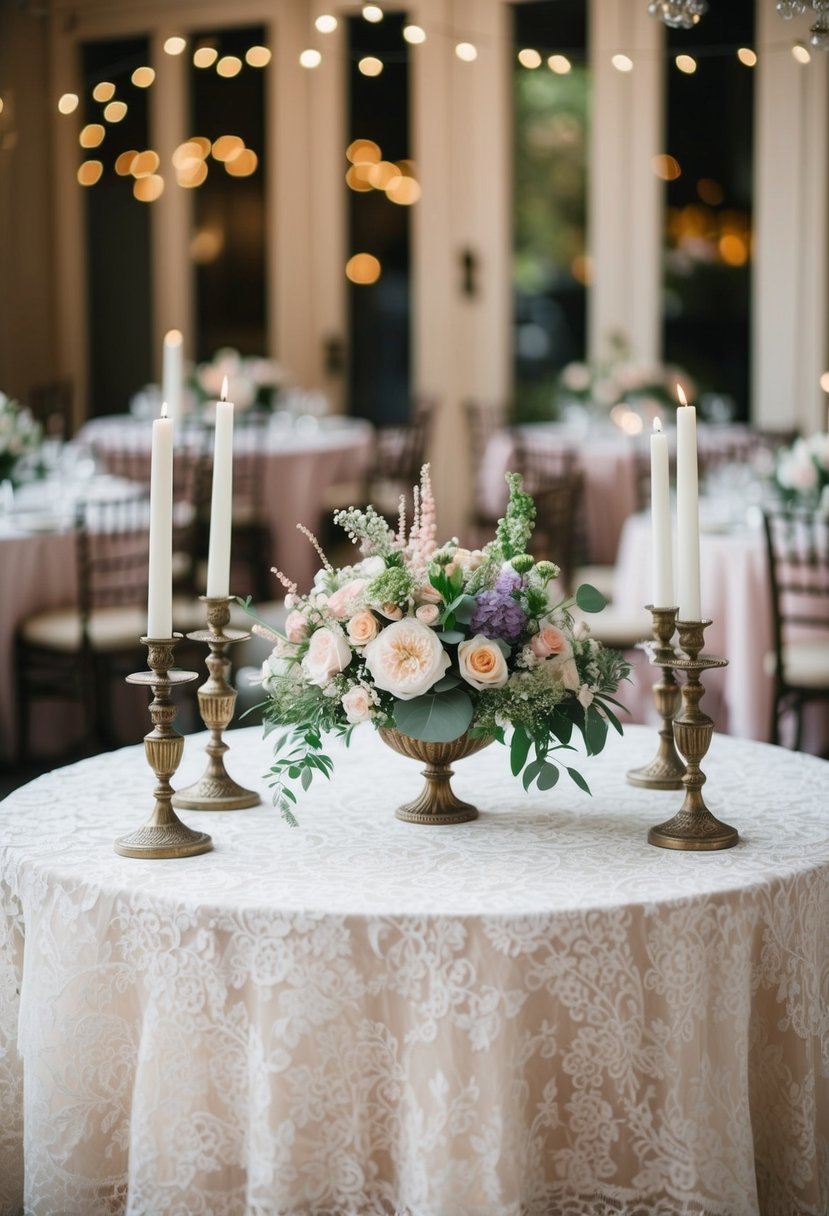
<point>497,614</point>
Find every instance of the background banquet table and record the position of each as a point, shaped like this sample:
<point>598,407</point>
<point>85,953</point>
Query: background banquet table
<point>302,462</point>
<point>531,1013</point>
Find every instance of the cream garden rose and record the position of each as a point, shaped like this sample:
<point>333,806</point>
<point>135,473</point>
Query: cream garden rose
<point>362,628</point>
<point>296,627</point>
<point>357,704</point>
<point>328,654</point>
<point>482,663</point>
<point>406,659</point>
<point>342,602</point>
<point>429,614</point>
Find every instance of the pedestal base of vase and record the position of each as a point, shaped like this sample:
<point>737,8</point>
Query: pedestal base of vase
<point>436,804</point>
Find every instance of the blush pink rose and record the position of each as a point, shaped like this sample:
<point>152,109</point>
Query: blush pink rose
<point>550,640</point>
<point>328,654</point>
<point>429,614</point>
<point>296,627</point>
<point>362,628</point>
<point>343,601</point>
<point>427,594</point>
<point>357,704</point>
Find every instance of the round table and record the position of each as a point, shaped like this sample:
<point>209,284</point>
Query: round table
<point>536,1012</point>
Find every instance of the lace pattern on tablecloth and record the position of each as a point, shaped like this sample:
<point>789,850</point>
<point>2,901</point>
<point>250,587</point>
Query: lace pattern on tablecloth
<point>197,1042</point>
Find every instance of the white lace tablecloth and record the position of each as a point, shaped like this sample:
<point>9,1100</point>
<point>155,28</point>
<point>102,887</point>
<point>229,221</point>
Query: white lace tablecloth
<point>535,1013</point>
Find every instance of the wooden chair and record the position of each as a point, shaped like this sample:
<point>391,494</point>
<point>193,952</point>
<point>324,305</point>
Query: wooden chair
<point>52,405</point>
<point>483,421</point>
<point>797,545</point>
<point>74,653</point>
<point>555,480</point>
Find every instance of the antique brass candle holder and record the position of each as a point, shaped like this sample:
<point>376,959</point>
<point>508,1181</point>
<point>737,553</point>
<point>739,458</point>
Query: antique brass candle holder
<point>693,827</point>
<point>163,835</point>
<point>216,790</point>
<point>666,770</point>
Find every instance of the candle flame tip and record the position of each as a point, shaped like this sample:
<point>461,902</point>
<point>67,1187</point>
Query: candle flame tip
<point>163,409</point>
<point>680,392</point>
<point>657,426</point>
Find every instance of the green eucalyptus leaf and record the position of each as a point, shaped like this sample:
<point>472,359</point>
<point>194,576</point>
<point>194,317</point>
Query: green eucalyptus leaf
<point>307,777</point>
<point>519,750</point>
<point>595,731</point>
<point>434,717</point>
<point>561,726</point>
<point>611,717</point>
<point>548,776</point>
<point>448,681</point>
<point>531,772</point>
<point>579,780</point>
<point>464,608</point>
<point>452,636</point>
<point>589,599</point>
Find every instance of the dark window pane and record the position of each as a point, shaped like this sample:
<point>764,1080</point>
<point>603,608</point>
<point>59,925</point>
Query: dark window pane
<point>552,118</point>
<point>707,275</point>
<point>117,230</point>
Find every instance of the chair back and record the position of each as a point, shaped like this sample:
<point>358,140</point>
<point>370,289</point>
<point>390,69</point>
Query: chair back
<point>797,545</point>
<point>553,477</point>
<point>113,549</point>
<point>400,451</point>
<point>52,404</point>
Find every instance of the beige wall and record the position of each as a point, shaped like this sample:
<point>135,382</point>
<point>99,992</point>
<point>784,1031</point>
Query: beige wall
<point>27,329</point>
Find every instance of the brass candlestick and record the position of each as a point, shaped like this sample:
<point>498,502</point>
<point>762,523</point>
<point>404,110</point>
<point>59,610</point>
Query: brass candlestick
<point>163,835</point>
<point>216,790</point>
<point>666,769</point>
<point>693,827</point>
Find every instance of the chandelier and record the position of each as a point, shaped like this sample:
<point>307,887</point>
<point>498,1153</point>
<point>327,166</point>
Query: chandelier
<point>684,15</point>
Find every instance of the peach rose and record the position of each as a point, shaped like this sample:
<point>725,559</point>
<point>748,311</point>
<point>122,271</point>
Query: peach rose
<point>406,659</point>
<point>482,664</point>
<point>328,654</point>
<point>550,640</point>
<point>362,628</point>
<point>296,627</point>
<point>357,704</point>
<point>391,611</point>
<point>427,594</point>
<point>342,602</point>
<point>429,614</point>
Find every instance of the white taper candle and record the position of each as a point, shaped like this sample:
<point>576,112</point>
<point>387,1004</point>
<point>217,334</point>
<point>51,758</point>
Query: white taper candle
<point>663,565</point>
<point>160,575</point>
<point>171,373</point>
<point>221,503</point>
<point>687,513</point>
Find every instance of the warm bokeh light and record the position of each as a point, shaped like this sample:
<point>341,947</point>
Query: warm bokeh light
<point>528,58</point>
<point>800,53</point>
<point>747,56</point>
<point>229,65</point>
<point>686,64</point>
<point>381,174</point>
<point>414,34</point>
<point>123,164</point>
<point>824,382</point>
<point>242,165</point>
<point>257,56</point>
<point>666,167</point>
<point>559,64</point>
<point>581,269</point>
<point>404,191</point>
<point>205,56</point>
<point>357,177</point>
<point>104,91</point>
<point>191,174</point>
<point>228,147</point>
<point>363,268</point>
<point>2,104</point>
<point>622,63</point>
<point>115,111</point>
<point>466,52</point>
<point>187,153</point>
<point>310,58</point>
<point>363,149</point>
<point>144,164</point>
<point>372,13</point>
<point>370,65</point>
<point>709,191</point>
<point>173,46</point>
<point>626,419</point>
<point>203,142</point>
<point>68,103</point>
<point>205,245</point>
<point>92,135</point>
<point>143,77</point>
<point>407,168</point>
<point>326,23</point>
<point>733,249</point>
<point>90,172</point>
<point>148,189</point>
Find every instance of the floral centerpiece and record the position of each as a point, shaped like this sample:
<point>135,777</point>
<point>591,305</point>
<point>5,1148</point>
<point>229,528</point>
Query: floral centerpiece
<point>438,642</point>
<point>618,379</point>
<point>801,472</point>
<point>19,435</point>
<point>251,380</point>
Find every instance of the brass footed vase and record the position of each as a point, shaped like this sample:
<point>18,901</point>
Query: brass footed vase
<point>436,803</point>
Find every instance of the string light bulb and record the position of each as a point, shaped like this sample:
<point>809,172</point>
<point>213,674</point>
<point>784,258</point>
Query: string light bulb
<point>467,52</point>
<point>372,13</point>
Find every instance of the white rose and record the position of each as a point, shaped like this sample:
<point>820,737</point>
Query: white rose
<point>482,664</point>
<point>406,659</point>
<point>328,653</point>
<point>356,704</point>
<point>567,671</point>
<point>370,567</point>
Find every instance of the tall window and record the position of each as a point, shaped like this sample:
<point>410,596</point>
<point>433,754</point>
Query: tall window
<point>117,222</point>
<point>552,116</point>
<point>382,184</point>
<point>227,244</point>
<point>708,165</point>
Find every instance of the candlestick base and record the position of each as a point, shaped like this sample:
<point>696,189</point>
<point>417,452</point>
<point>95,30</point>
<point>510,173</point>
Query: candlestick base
<point>666,770</point>
<point>164,835</point>
<point>216,790</point>
<point>693,827</point>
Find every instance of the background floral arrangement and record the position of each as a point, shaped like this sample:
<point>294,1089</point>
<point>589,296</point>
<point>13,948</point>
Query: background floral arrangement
<point>801,472</point>
<point>435,641</point>
<point>19,435</point>
<point>251,380</point>
<point>621,378</point>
